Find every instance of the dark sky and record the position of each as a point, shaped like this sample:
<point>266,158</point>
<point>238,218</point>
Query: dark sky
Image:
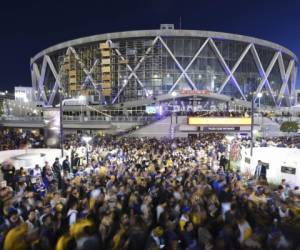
<point>29,26</point>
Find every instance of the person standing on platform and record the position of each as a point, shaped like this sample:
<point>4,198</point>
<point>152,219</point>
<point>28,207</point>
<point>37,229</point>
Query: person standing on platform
<point>260,171</point>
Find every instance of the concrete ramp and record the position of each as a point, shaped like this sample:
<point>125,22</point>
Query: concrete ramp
<point>161,128</point>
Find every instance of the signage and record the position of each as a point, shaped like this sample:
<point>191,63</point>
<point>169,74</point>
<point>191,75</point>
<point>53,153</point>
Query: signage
<point>194,92</point>
<point>219,121</point>
<point>221,129</point>
<point>288,170</point>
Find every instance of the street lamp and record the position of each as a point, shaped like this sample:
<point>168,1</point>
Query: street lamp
<point>61,116</point>
<point>87,139</point>
<point>174,94</point>
<point>61,92</point>
<point>258,95</point>
<point>81,99</point>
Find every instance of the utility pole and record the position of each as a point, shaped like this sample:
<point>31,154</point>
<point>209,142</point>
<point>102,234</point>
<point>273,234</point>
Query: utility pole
<point>252,123</point>
<point>60,90</point>
<point>61,122</point>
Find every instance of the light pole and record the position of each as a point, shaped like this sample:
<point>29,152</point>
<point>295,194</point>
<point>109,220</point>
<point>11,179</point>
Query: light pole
<point>61,103</point>
<point>252,125</point>
<point>174,94</point>
<point>81,99</point>
<point>61,122</point>
<point>259,95</point>
<point>87,139</point>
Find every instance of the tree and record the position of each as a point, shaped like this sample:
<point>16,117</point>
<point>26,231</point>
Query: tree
<point>289,126</point>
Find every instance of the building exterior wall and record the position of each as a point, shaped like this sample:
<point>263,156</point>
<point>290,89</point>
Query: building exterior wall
<point>119,67</point>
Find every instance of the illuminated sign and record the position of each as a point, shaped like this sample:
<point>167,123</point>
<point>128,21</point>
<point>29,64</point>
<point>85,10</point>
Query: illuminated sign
<point>221,129</point>
<point>194,92</point>
<point>219,121</point>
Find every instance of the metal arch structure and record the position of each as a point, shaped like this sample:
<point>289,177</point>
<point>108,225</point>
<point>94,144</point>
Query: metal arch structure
<point>38,76</point>
<point>287,74</point>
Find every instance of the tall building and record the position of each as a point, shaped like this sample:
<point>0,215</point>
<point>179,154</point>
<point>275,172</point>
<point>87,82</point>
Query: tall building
<point>4,97</point>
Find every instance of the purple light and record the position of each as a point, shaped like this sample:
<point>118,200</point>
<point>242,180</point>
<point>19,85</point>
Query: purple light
<point>160,110</point>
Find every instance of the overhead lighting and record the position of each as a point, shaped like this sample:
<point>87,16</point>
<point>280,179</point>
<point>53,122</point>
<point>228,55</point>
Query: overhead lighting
<point>174,94</point>
<point>81,98</point>
<point>199,76</point>
<point>259,95</point>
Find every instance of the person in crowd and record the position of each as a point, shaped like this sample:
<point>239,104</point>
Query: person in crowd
<point>57,171</point>
<point>146,193</point>
<point>223,162</point>
<point>260,171</point>
<point>9,172</point>
<point>66,166</point>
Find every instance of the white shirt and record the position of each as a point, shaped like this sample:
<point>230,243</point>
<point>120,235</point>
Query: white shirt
<point>159,211</point>
<point>72,216</point>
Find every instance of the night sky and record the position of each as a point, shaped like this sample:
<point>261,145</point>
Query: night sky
<point>30,26</point>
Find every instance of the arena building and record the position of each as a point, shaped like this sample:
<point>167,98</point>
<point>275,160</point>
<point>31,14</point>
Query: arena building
<point>166,64</point>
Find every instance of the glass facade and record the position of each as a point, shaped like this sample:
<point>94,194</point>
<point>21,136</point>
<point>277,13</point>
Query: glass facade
<point>136,68</point>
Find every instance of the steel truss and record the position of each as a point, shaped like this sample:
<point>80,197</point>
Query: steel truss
<point>289,74</point>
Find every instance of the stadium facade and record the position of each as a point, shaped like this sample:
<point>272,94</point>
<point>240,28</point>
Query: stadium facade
<point>122,67</point>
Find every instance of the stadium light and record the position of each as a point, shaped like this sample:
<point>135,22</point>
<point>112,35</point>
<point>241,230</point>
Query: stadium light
<point>174,94</point>
<point>259,95</point>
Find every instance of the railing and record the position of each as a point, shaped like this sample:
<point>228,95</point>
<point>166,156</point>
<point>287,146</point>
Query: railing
<point>85,119</point>
<point>282,119</point>
<point>21,119</point>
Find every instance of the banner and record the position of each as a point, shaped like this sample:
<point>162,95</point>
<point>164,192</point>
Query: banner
<point>219,121</point>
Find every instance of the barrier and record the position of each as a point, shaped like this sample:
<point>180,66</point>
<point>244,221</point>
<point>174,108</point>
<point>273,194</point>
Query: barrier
<point>28,158</point>
<point>283,163</point>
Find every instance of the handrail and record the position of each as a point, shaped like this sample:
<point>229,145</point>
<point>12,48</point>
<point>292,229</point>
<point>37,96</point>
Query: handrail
<point>85,119</point>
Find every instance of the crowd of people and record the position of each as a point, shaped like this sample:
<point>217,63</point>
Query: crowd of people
<point>145,193</point>
<point>17,138</point>
<point>280,141</point>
